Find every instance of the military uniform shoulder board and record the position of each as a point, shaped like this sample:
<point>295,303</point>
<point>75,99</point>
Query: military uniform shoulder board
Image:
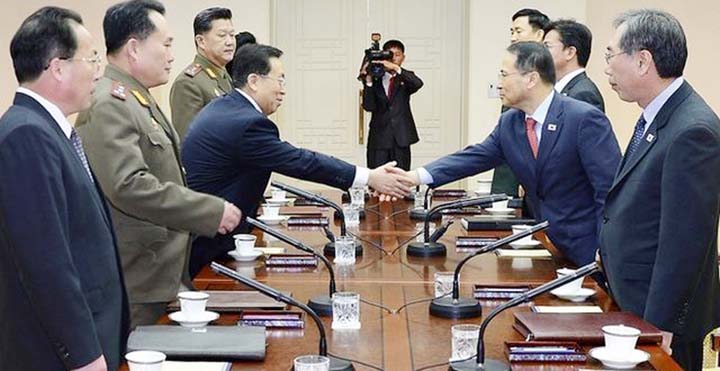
<point>140,98</point>
<point>211,73</point>
<point>193,70</point>
<point>118,90</point>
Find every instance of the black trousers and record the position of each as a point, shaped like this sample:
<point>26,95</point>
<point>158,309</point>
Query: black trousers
<point>378,157</point>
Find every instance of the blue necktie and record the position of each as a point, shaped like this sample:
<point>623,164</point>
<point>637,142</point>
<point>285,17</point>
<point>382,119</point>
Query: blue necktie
<point>637,137</point>
<point>77,144</point>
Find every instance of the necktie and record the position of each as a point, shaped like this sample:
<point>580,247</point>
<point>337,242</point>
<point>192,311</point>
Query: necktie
<point>391,88</point>
<point>77,144</point>
<point>532,137</point>
<point>637,137</point>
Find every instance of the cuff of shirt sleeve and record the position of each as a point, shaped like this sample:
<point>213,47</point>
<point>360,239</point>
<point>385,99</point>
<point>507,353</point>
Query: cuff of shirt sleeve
<point>424,175</point>
<point>362,174</point>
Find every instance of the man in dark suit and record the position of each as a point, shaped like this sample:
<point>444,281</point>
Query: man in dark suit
<point>570,43</point>
<point>659,235</point>
<point>564,152</point>
<point>232,147</point>
<point>62,299</point>
<point>527,25</point>
<point>392,127</point>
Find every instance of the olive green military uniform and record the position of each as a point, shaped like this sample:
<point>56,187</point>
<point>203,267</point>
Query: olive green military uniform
<point>194,88</point>
<point>134,152</point>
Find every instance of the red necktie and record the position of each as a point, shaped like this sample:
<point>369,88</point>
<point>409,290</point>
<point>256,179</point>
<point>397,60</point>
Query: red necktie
<point>532,137</point>
<point>391,88</point>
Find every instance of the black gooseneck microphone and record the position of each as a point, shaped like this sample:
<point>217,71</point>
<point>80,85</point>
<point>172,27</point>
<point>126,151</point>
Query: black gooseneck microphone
<point>456,307</point>
<point>478,362</point>
<point>320,304</point>
<point>335,364</point>
<point>330,246</point>
<point>428,248</point>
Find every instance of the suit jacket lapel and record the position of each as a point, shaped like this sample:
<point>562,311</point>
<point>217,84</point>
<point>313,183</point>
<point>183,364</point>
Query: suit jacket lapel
<point>573,82</point>
<point>63,140</point>
<point>550,131</point>
<point>652,134</point>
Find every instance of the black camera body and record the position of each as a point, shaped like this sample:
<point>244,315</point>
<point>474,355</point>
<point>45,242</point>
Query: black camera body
<point>373,53</point>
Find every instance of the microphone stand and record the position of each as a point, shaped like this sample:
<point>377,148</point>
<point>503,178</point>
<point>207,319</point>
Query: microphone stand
<point>329,247</point>
<point>429,248</point>
<point>320,304</point>
<point>335,363</point>
<point>455,307</point>
<point>420,214</point>
<point>478,362</point>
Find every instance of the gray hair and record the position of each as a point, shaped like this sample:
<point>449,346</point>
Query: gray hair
<point>657,32</point>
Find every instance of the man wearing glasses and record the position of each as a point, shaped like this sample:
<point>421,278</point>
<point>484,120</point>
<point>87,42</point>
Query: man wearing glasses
<point>564,152</point>
<point>206,78</point>
<point>234,147</point>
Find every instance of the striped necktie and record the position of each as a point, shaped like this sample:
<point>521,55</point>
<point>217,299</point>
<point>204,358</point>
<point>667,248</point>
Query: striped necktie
<point>77,144</point>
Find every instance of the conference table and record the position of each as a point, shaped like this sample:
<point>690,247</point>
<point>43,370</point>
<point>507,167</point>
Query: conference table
<point>398,332</point>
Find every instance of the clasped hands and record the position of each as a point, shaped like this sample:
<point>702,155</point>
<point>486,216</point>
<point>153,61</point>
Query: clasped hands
<point>390,182</point>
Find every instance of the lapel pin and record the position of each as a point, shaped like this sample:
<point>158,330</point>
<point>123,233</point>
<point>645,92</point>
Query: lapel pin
<point>650,138</point>
<point>552,127</point>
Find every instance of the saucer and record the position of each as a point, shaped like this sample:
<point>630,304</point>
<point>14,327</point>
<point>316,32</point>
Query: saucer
<point>245,257</point>
<point>279,201</point>
<point>525,244</point>
<point>612,360</point>
<point>577,296</point>
<point>201,320</point>
<point>271,220</point>
<point>500,211</point>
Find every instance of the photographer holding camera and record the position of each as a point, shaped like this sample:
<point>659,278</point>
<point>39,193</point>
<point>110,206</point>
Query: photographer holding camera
<point>386,93</point>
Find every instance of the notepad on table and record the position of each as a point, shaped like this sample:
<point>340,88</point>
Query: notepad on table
<point>196,366</point>
<point>567,309</point>
<point>511,253</point>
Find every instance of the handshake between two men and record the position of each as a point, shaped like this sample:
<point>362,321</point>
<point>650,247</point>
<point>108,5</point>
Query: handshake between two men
<point>390,182</point>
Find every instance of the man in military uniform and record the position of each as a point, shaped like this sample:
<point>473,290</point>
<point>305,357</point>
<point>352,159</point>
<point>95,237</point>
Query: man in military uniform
<point>134,151</point>
<point>206,78</point>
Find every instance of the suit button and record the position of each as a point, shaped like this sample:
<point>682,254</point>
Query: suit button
<point>605,219</point>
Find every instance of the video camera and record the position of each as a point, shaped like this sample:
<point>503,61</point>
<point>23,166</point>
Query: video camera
<point>373,53</point>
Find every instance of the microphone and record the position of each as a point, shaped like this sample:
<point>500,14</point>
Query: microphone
<point>441,231</point>
<point>419,214</point>
<point>328,233</point>
<point>430,248</point>
<point>329,247</point>
<point>320,304</point>
<point>478,362</point>
<point>335,364</point>
<point>455,307</point>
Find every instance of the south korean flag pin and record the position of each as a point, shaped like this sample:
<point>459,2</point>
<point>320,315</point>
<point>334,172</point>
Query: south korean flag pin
<point>552,127</point>
<point>650,138</point>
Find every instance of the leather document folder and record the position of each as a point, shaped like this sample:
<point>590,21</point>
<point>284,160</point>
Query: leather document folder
<point>211,343</point>
<point>580,327</point>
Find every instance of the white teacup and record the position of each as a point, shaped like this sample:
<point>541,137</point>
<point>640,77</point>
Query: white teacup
<point>244,243</point>
<point>484,187</point>
<point>271,211</point>
<point>192,303</point>
<point>278,194</point>
<point>145,360</point>
<point>620,339</point>
<point>571,287</point>
<point>500,205</point>
<point>517,229</point>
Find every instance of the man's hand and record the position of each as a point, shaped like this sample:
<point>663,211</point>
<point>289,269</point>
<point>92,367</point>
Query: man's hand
<point>96,365</point>
<point>390,182</point>
<point>230,219</point>
<point>389,66</point>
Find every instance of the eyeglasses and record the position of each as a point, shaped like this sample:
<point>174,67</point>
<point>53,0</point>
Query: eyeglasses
<point>95,60</point>
<point>503,74</point>
<point>280,80</point>
<point>609,56</point>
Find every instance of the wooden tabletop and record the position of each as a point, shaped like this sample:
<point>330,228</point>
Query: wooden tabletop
<point>410,339</point>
